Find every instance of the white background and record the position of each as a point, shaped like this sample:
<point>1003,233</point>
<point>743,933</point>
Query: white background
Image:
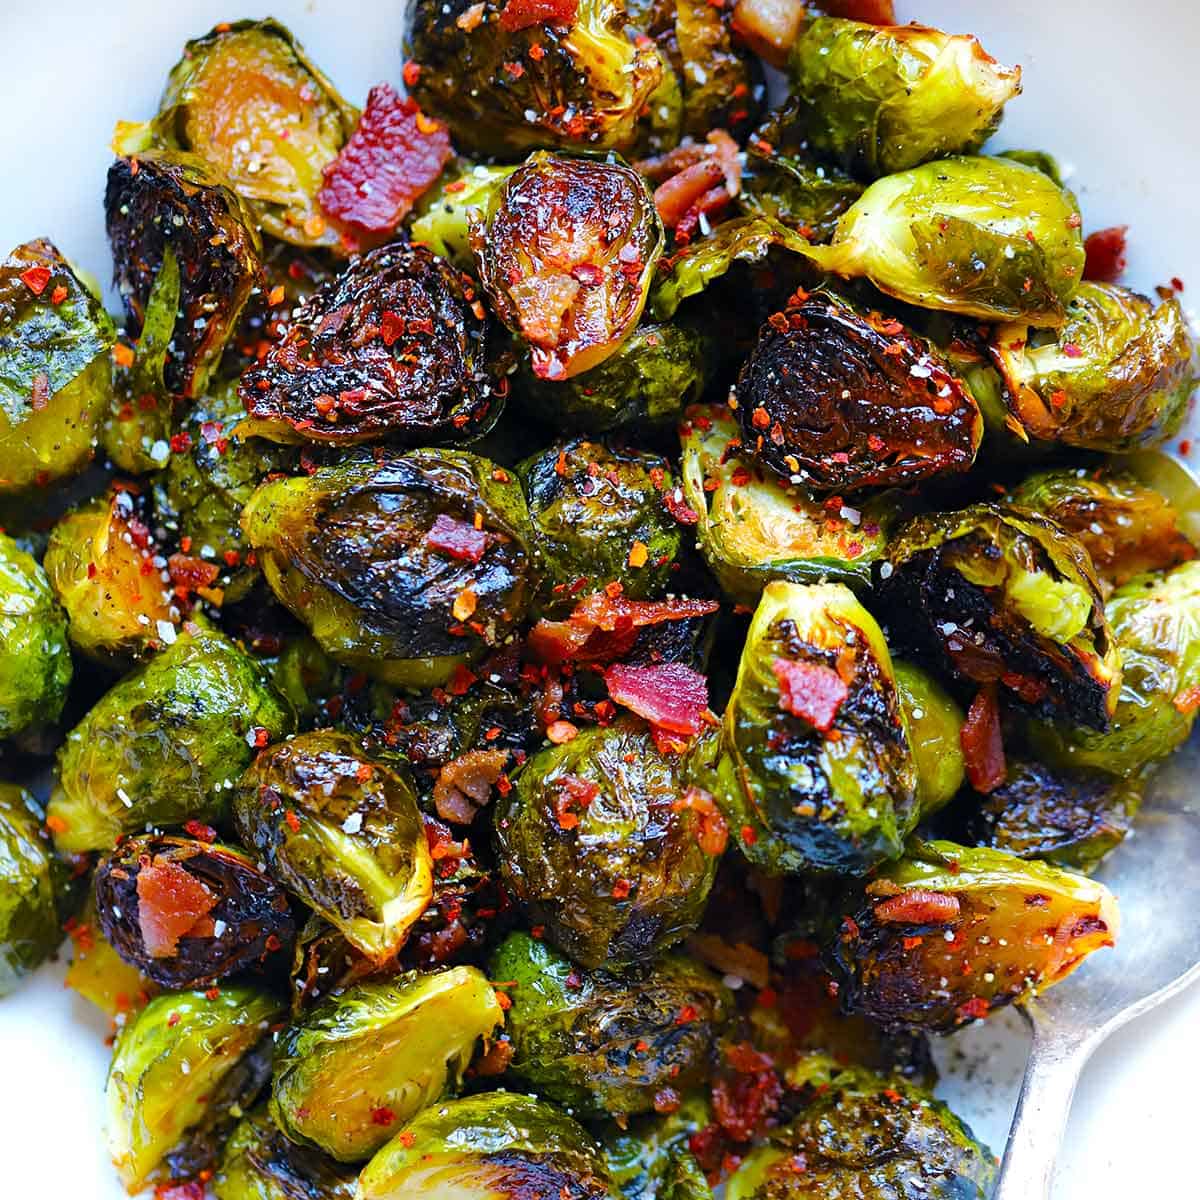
<point>1112,88</point>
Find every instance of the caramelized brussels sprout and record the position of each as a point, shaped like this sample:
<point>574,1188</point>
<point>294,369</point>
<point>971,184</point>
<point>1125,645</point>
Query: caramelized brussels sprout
<point>987,237</point>
<point>259,1163</point>
<point>882,99</point>
<point>186,913</point>
<point>164,745</point>
<point>392,347</point>
<point>995,593</point>
<point>442,217</point>
<point>364,1063</point>
<point>54,368</point>
<point>754,527</point>
<point>164,199</point>
<point>838,399</point>
<point>814,764</point>
<point>873,1137</point>
<point>949,934</point>
<point>35,662</point>
<point>934,723</point>
<point>649,1158</point>
<point>99,974</point>
<point>585,88</point>
<point>29,927</point>
<point>494,1146</point>
<point>169,1066</point>
<point>606,1045</point>
<point>781,181</point>
<point>567,253</point>
<point>403,566</point>
<point>598,846</point>
<point>1115,377</point>
<point>343,832</point>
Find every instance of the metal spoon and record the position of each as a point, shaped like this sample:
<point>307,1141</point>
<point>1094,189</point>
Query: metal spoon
<point>1157,954</point>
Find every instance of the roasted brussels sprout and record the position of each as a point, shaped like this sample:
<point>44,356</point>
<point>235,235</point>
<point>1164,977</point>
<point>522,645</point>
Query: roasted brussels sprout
<point>1115,377</point>
<point>566,253</point>
<point>364,1063</point>
<point>934,724</point>
<point>837,399</point>
<point>586,87</point>
<point>873,1137</point>
<point>35,663</point>
<point>185,912</point>
<point>814,765</point>
<point>494,1146</point>
<point>168,1069</point>
<point>343,832</point>
<point>259,1163</point>
<point>442,217</point>
<point>29,928</point>
<point>54,368</point>
<point>995,593</point>
<point>649,1158</point>
<point>99,974</point>
<point>404,566</point>
<point>165,744</point>
<point>987,237</point>
<point>876,100</point>
<point>781,181</point>
<point>607,1045</point>
<point>391,348</point>
<point>162,200</point>
<point>949,934</point>
<point>598,845</point>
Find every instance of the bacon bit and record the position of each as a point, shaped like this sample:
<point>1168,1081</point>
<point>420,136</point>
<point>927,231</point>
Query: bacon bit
<point>811,691</point>
<point>171,902</point>
<point>982,742</point>
<point>918,907</point>
<point>620,890</point>
<point>58,295</point>
<point>974,1009</point>
<point>680,511</point>
<point>464,605</point>
<point>560,732</point>
<point>638,554</point>
<point>713,833</point>
<point>382,1115</point>
<point>456,538</point>
<point>672,696</point>
<point>872,12</point>
<point>35,279</point>
<point>1188,700</point>
<point>391,328</point>
<point>392,158</point>
<point>122,355</point>
<point>465,784</point>
<point>1105,250</point>
<point>521,14</point>
<point>769,27</point>
<point>676,195</point>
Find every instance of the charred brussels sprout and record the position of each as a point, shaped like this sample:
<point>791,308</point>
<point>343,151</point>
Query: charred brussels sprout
<point>391,348</point>
<point>165,744</point>
<point>261,1164</point>
<point>592,507</point>
<point>606,1045</point>
<point>186,913</point>
<point>987,237</point>
<point>837,399</point>
<point>403,566</point>
<point>54,368</point>
<point>1115,377</point>
<point>649,1157</point>
<point>567,253</point>
<point>586,88</point>
<point>814,761</point>
<point>754,527</point>
<point>178,201</point>
<point>1000,594</point>
<point>873,1137</point>
<point>597,844</point>
<point>343,832</point>
<point>366,1062</point>
<point>934,723</point>
<point>35,662</point>
<point>442,217</point>
<point>493,1146</point>
<point>169,1069</point>
<point>29,927</point>
<point>882,99</point>
<point>948,934</point>
<point>782,182</point>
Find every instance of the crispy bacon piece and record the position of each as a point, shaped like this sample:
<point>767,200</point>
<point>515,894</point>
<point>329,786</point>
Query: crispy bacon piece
<point>811,691</point>
<point>769,27</point>
<point>521,14</point>
<point>917,907</point>
<point>873,12</point>
<point>458,539</point>
<point>465,783</point>
<point>171,903</point>
<point>670,695</point>
<point>982,744</point>
<point>1105,250</point>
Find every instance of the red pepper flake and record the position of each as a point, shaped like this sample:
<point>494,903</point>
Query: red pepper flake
<point>180,442</point>
<point>514,69</point>
<point>1105,251</point>
<point>293,821</point>
<point>911,943</point>
<point>171,902</point>
<point>408,1139</point>
<point>39,395</point>
<point>411,73</point>
<point>747,834</point>
<point>456,538</point>
<point>686,1015</point>
<point>200,831</point>
<point>672,696</point>
<point>982,742</point>
<point>58,295</point>
<point>1188,700</point>
<point>537,52</point>
<point>464,605</point>
<point>811,691</point>
<point>621,889</point>
<point>122,355</point>
<point>382,1115</point>
<point>974,1009</point>
<point>276,295</point>
<point>680,511</point>
<point>521,14</point>
<point>35,279</point>
<point>918,907</point>
<point>1071,350</point>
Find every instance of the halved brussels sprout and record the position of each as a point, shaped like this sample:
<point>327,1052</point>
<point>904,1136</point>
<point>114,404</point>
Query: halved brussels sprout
<point>29,927</point>
<point>815,766</point>
<point>391,348</point>
<point>494,1146</point>
<point>755,527</point>
<point>995,593</point>
<point>185,912</point>
<point>343,832</point>
<point>35,662</point>
<point>166,199</point>
<point>949,934</point>
<point>598,516</point>
<point>606,1045</point>
<point>442,217</point>
<point>585,86</point>
<point>172,1066</point>
<point>1116,376</point>
<point>54,368</point>
<point>259,1163</point>
<point>871,1137</point>
<point>366,1062</point>
<point>934,723</point>
<point>403,566</point>
<point>988,237</point>
<point>165,744</point>
<point>566,253</point>
<point>838,399</point>
<point>598,845</point>
<point>99,974</point>
<point>882,99</point>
